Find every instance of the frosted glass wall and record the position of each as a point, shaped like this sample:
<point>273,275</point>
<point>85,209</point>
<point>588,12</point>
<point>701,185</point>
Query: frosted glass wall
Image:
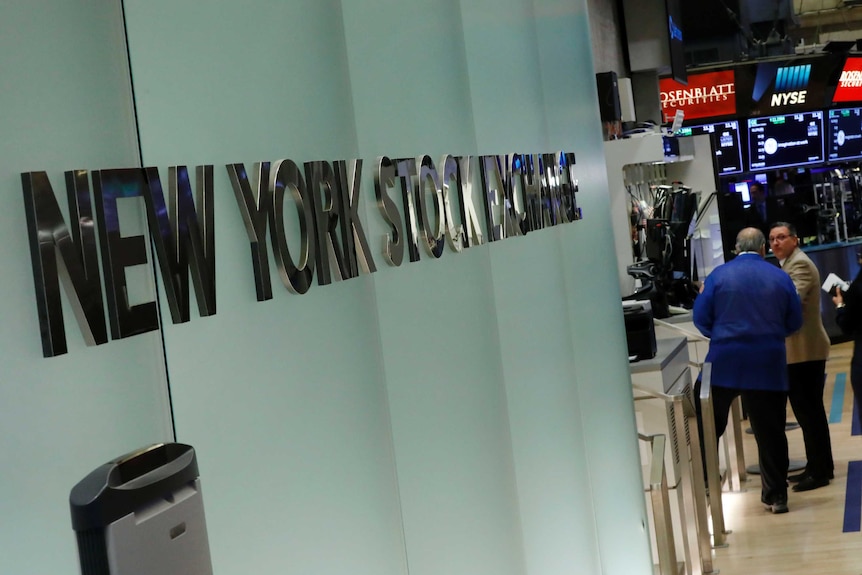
<point>65,104</point>
<point>461,415</point>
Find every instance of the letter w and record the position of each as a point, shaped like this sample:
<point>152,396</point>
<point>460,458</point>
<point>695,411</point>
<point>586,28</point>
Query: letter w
<point>183,239</point>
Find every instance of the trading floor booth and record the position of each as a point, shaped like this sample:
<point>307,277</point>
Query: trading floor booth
<point>787,135</point>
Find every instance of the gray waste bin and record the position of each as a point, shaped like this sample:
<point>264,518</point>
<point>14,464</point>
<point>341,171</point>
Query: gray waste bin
<point>142,514</point>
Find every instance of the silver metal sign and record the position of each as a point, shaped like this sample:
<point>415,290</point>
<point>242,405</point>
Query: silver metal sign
<point>520,194</point>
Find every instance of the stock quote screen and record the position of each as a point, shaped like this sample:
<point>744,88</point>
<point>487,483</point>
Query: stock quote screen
<point>845,134</point>
<point>788,140</point>
<point>725,143</point>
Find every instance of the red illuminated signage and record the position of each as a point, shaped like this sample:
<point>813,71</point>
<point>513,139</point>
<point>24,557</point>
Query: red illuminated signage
<point>707,95</point>
<point>849,87</point>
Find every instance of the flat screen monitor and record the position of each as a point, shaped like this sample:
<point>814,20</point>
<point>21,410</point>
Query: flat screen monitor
<point>743,188</point>
<point>845,134</point>
<point>788,140</point>
<point>725,144</point>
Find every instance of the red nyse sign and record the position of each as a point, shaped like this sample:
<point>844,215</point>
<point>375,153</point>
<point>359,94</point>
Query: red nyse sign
<point>849,87</point>
<point>707,95</point>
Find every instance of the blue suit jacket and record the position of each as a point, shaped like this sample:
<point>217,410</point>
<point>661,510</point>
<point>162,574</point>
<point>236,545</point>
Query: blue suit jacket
<point>747,308</point>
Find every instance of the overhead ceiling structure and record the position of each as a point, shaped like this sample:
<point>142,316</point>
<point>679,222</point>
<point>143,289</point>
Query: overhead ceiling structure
<point>824,21</point>
<point>739,30</point>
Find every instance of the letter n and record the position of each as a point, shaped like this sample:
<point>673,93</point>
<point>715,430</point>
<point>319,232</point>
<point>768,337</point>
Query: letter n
<point>79,269</point>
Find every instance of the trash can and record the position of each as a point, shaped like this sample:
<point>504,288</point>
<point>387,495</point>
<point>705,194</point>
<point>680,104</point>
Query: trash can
<point>142,514</point>
<point>640,329</point>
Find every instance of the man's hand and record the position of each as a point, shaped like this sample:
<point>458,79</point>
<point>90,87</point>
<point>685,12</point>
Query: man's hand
<point>838,299</point>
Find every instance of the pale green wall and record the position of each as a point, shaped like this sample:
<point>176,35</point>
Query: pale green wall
<point>65,103</point>
<point>465,415</point>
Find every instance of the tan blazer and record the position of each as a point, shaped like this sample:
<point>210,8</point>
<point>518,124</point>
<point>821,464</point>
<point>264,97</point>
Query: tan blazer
<point>811,342</point>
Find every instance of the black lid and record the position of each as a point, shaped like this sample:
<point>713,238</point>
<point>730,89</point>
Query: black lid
<point>123,485</point>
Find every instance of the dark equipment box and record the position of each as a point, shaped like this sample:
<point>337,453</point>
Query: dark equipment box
<point>640,330</point>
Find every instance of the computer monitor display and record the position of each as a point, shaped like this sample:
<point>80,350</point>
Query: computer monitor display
<point>845,134</point>
<point>725,143</point>
<point>788,140</point>
<point>741,188</point>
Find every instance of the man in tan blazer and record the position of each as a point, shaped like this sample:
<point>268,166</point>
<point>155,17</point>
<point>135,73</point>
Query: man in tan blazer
<point>807,351</point>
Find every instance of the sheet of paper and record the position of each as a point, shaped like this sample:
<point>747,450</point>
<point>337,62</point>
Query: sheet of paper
<point>833,280</point>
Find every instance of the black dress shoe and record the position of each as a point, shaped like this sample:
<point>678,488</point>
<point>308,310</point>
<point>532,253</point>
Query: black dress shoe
<point>810,483</point>
<point>777,507</point>
<point>796,478</point>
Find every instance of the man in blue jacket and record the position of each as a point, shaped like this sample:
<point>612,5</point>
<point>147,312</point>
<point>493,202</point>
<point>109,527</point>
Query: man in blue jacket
<point>747,309</point>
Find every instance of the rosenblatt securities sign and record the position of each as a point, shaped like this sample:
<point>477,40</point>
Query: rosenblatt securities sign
<point>707,95</point>
<point>849,87</point>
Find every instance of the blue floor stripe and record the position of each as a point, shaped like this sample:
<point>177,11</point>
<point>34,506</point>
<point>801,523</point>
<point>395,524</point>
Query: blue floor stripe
<point>853,498</point>
<point>838,398</point>
<point>855,428</point>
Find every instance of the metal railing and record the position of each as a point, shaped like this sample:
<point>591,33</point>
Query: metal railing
<point>733,453</point>
<point>733,450</point>
<point>660,499</point>
<point>689,334</point>
<point>710,442</point>
<point>688,463</point>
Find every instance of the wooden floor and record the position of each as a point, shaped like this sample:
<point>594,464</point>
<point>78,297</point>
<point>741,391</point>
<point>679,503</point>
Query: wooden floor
<point>810,539</point>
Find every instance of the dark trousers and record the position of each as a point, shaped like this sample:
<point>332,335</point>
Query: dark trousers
<point>807,380</point>
<point>767,413</point>
<point>856,374</point>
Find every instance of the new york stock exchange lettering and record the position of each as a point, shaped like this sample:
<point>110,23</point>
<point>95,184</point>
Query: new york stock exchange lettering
<point>426,208</point>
